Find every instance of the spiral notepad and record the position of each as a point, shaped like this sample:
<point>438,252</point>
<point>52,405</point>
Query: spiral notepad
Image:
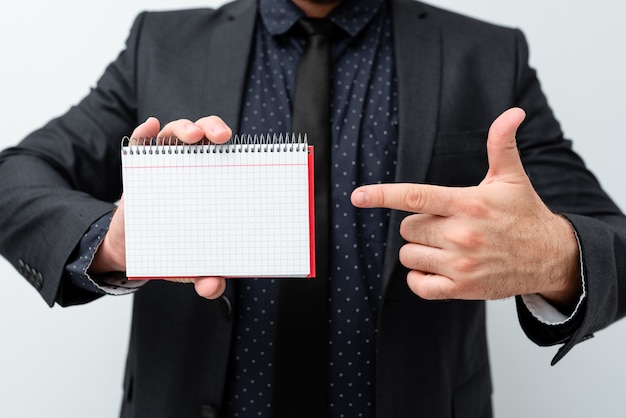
<point>241,209</point>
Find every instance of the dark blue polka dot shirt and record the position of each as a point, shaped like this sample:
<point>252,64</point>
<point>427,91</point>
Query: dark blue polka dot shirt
<point>364,122</point>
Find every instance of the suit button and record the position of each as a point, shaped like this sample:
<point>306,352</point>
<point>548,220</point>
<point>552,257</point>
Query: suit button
<point>226,306</point>
<point>207,411</point>
<point>33,276</point>
<point>37,280</point>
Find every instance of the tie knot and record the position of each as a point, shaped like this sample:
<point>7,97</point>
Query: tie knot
<point>311,26</point>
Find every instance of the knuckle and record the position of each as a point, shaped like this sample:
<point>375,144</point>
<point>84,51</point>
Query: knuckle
<point>467,238</point>
<point>414,198</point>
<point>465,265</point>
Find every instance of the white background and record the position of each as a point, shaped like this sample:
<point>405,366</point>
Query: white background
<point>69,362</point>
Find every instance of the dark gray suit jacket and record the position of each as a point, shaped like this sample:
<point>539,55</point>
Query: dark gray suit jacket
<point>455,76</point>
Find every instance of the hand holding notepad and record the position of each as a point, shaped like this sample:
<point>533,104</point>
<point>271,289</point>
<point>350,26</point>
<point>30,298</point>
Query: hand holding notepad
<point>240,209</point>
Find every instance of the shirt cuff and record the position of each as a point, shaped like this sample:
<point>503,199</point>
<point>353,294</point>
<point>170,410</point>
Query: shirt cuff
<point>115,283</point>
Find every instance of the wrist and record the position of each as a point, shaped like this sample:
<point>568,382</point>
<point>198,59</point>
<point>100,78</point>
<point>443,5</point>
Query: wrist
<point>108,258</point>
<point>566,284</point>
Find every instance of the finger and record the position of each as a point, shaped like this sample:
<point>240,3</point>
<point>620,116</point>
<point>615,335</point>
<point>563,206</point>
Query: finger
<point>148,129</point>
<point>210,287</point>
<point>432,286</point>
<point>425,229</point>
<point>423,258</point>
<point>215,129</point>
<point>207,287</point>
<point>416,198</point>
<point>183,129</point>
<point>504,160</point>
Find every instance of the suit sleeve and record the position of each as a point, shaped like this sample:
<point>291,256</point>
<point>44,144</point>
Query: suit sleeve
<point>63,177</point>
<point>568,187</point>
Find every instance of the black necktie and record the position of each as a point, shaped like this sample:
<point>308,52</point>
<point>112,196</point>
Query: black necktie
<point>301,363</point>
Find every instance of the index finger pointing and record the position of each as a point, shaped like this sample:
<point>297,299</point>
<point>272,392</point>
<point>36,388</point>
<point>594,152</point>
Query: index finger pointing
<point>416,198</point>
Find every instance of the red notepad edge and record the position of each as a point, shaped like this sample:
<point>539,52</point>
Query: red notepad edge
<point>311,163</point>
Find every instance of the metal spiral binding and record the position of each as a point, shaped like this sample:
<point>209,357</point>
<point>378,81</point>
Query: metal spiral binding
<point>239,143</point>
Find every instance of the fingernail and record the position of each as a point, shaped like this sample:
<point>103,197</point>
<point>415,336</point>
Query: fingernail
<point>359,198</point>
<point>190,128</point>
<point>219,128</point>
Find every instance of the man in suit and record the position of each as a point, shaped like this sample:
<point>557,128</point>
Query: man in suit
<point>415,91</point>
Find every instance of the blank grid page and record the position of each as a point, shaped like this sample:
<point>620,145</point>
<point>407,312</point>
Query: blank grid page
<point>216,210</point>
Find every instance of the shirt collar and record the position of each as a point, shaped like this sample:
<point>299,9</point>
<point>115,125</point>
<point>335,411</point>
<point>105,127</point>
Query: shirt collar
<point>278,16</point>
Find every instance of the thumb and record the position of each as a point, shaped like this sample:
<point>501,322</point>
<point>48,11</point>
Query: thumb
<point>504,159</point>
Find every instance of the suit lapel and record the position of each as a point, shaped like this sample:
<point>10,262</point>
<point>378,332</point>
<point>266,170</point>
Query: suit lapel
<point>229,49</point>
<point>417,46</point>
